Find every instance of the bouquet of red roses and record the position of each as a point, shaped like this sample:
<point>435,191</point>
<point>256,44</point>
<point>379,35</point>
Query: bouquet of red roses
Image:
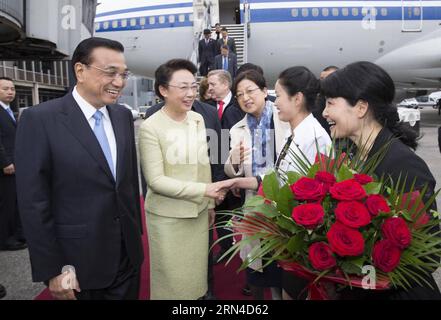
<point>336,222</point>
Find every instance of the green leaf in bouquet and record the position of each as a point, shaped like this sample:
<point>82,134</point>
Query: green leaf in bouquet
<point>254,202</point>
<point>296,243</point>
<point>405,214</point>
<point>293,177</point>
<point>344,173</point>
<point>271,186</point>
<point>313,170</point>
<point>267,209</point>
<point>372,188</point>
<point>350,268</point>
<point>288,224</point>
<point>286,201</point>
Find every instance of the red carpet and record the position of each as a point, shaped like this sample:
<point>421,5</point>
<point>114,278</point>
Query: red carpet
<point>228,283</point>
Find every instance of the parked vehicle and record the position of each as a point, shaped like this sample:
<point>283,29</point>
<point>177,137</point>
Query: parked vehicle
<point>419,102</point>
<point>135,113</point>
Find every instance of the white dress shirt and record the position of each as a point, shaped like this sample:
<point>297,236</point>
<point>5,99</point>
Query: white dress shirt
<point>4,105</point>
<point>88,111</point>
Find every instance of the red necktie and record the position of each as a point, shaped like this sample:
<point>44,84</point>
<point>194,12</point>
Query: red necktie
<point>220,110</point>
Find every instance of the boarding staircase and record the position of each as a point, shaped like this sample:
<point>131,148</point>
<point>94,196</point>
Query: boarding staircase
<point>236,31</point>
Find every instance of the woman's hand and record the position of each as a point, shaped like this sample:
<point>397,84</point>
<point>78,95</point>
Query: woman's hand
<point>218,190</point>
<point>245,183</point>
<point>238,155</point>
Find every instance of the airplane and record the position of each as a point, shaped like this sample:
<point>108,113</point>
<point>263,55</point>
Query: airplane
<point>404,37</point>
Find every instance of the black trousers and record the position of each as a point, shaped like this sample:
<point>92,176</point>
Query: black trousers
<point>439,138</point>
<point>10,225</point>
<point>204,68</point>
<point>124,287</point>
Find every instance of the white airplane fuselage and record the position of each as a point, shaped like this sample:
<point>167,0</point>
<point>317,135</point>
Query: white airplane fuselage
<point>402,36</point>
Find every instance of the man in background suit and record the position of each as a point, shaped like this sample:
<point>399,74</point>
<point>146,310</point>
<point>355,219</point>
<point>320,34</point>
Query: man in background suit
<point>226,61</point>
<point>207,51</point>
<point>229,112</point>
<point>11,235</point>
<point>77,183</point>
<point>226,40</point>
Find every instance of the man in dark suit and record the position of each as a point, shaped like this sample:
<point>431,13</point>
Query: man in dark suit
<point>77,182</point>
<point>11,236</point>
<point>226,40</point>
<point>226,61</point>
<point>2,292</point>
<point>217,31</point>
<point>207,51</point>
<point>229,112</point>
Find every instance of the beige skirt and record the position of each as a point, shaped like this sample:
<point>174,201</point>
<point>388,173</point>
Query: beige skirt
<point>178,251</point>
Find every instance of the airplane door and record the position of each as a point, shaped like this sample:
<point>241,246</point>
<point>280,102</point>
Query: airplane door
<point>229,11</point>
<point>412,16</point>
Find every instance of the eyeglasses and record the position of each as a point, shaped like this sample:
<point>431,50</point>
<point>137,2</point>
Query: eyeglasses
<point>113,74</point>
<point>248,92</point>
<point>184,89</point>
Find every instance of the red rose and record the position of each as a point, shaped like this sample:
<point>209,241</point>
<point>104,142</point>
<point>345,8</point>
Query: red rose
<point>309,215</point>
<point>352,214</point>
<point>376,204</point>
<point>396,230</point>
<point>326,178</point>
<point>347,190</point>
<point>345,241</point>
<point>321,257</point>
<point>308,189</point>
<point>363,178</point>
<point>424,217</point>
<point>385,255</point>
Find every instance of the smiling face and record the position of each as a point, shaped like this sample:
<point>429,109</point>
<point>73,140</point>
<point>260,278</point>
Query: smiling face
<point>284,103</point>
<point>250,97</point>
<point>181,91</point>
<point>345,120</point>
<point>97,82</point>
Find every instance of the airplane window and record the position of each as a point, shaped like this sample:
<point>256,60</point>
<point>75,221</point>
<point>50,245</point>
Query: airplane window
<point>305,12</point>
<point>335,12</point>
<point>374,12</point>
<point>171,19</point>
<point>142,21</point>
<point>325,12</point>
<point>345,12</point>
<point>161,19</point>
<point>124,23</point>
<point>181,18</point>
<point>115,24</point>
<point>364,11</point>
<point>354,12</point>
<point>133,22</point>
<point>190,17</point>
<point>383,12</point>
<point>315,12</point>
<point>417,11</point>
<point>152,20</point>
<point>106,25</point>
<point>97,26</point>
<point>295,13</point>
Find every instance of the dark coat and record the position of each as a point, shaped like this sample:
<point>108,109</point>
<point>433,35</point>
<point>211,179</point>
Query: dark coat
<point>73,211</point>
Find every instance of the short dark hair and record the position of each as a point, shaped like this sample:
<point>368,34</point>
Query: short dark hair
<point>225,46</point>
<point>83,52</point>
<point>249,66</point>
<point>301,79</point>
<point>217,24</point>
<point>207,31</point>
<point>6,78</point>
<point>224,29</point>
<point>368,82</point>
<point>329,68</point>
<point>165,72</point>
<point>251,75</point>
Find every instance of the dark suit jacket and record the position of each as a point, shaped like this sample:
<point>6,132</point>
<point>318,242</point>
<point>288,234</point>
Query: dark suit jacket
<point>7,139</point>
<point>232,63</point>
<point>73,211</point>
<point>230,43</point>
<point>207,52</point>
<point>212,123</point>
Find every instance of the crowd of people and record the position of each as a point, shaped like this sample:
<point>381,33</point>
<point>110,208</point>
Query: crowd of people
<point>203,150</point>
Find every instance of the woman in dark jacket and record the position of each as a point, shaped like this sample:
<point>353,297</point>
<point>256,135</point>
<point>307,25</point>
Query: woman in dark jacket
<point>359,107</point>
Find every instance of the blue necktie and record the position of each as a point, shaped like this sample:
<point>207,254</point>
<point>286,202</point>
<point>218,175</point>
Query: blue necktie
<point>102,139</point>
<point>225,63</point>
<point>8,109</point>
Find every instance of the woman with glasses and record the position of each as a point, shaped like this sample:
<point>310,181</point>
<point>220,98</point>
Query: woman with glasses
<point>179,201</point>
<point>255,141</point>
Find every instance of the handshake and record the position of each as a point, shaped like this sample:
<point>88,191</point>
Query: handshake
<point>218,190</point>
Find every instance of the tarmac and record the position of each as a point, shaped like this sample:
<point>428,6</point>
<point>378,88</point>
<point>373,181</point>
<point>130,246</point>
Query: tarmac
<point>15,269</point>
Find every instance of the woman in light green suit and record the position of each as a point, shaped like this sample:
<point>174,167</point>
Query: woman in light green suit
<point>174,159</point>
